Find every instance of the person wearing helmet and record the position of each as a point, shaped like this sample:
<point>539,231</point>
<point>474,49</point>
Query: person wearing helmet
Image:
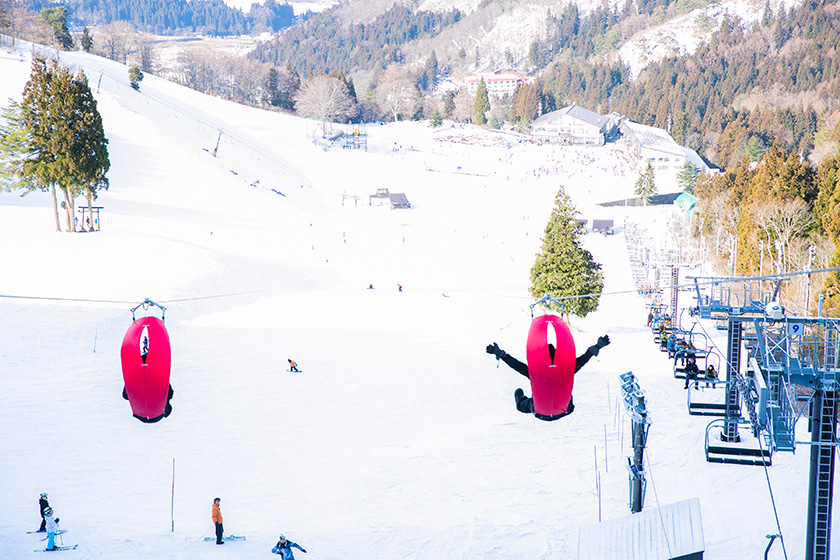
<point>43,504</point>
<point>284,548</point>
<point>52,527</point>
<point>293,366</point>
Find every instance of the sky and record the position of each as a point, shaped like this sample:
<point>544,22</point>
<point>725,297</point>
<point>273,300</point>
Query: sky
<point>399,439</point>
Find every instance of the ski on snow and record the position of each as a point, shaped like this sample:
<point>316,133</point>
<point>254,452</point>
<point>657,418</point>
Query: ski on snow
<point>228,538</point>
<point>56,548</point>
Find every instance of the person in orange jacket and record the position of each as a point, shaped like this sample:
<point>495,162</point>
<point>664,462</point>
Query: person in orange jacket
<point>217,520</point>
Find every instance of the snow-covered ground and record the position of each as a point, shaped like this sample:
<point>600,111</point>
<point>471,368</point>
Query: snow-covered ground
<point>400,438</point>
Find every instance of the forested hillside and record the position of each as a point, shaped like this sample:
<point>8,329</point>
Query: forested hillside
<point>178,17</point>
<point>746,88</point>
<point>325,44</point>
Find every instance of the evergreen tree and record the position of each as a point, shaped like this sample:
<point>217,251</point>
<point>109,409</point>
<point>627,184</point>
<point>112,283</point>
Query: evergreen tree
<point>687,177</point>
<point>482,103</point>
<point>87,40</point>
<point>564,268</point>
<point>645,184</point>
<point>272,91</point>
<point>436,120</point>
<point>755,149</point>
<point>55,138</point>
<point>57,19</point>
<point>430,70</point>
<point>449,104</point>
<point>135,76</point>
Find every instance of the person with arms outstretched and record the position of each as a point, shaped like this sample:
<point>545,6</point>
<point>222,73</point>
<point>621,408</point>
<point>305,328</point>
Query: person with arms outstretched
<point>284,548</point>
<point>526,404</point>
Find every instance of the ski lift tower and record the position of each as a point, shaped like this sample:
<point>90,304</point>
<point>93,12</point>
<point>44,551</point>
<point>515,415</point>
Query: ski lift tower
<point>791,359</point>
<point>735,300</point>
<point>796,359</point>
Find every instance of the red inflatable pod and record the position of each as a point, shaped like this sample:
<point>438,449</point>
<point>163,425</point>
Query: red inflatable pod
<point>552,378</point>
<point>146,358</point>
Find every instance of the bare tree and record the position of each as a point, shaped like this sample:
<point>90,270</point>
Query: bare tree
<point>395,92</point>
<point>16,21</point>
<point>198,70</point>
<point>144,44</point>
<point>115,39</point>
<point>464,111</point>
<point>326,99</point>
<point>785,220</point>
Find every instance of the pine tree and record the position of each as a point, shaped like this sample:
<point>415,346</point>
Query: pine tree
<point>564,268</point>
<point>687,177</point>
<point>449,104</point>
<point>135,76</point>
<point>645,184</point>
<point>482,103</point>
<point>436,120</point>
<point>430,70</point>
<point>55,138</point>
<point>57,19</point>
<point>87,40</point>
<point>272,90</point>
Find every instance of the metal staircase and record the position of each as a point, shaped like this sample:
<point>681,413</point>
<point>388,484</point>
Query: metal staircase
<point>821,482</point>
<point>733,372</point>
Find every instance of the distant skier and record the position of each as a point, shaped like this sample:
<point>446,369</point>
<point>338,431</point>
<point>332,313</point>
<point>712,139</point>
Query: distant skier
<point>43,504</point>
<point>293,366</point>
<point>526,404</point>
<point>51,526</point>
<point>217,520</point>
<point>284,548</point>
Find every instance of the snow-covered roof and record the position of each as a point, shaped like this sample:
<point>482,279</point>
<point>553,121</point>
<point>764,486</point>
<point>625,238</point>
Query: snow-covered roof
<point>574,111</point>
<point>652,137</point>
<point>494,77</point>
<point>672,531</point>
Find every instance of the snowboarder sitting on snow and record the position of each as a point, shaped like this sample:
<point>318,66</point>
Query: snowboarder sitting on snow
<point>284,548</point>
<point>43,503</point>
<point>51,526</point>
<point>526,404</point>
<point>293,366</point>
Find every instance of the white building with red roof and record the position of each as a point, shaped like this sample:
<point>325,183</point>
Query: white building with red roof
<point>498,84</point>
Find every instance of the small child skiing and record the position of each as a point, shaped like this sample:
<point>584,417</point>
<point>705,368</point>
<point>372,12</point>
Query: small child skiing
<point>51,527</point>
<point>284,548</point>
<point>293,366</point>
<point>43,504</point>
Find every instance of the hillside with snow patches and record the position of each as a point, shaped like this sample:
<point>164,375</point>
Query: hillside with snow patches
<point>400,438</point>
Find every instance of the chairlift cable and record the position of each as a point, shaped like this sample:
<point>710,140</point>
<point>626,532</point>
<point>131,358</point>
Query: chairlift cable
<point>656,497</point>
<point>772,499</point>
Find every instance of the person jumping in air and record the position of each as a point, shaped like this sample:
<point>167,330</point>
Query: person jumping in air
<point>284,548</point>
<point>293,366</point>
<point>526,404</point>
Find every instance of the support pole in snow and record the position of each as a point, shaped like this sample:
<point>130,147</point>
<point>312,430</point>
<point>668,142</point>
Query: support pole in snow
<point>216,149</point>
<point>634,405</point>
<point>172,513</point>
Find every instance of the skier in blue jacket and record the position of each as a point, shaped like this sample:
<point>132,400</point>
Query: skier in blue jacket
<point>284,548</point>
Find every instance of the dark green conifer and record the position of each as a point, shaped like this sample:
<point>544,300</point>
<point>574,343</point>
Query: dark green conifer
<point>482,103</point>
<point>563,267</point>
